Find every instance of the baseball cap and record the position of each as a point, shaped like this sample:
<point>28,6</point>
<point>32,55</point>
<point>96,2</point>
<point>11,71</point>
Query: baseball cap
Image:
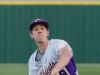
<point>38,21</point>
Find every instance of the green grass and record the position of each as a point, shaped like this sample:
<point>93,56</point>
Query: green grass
<point>88,69</point>
<point>13,69</point>
<point>22,69</point>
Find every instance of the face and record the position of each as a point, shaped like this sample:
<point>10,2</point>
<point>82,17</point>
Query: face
<point>39,33</point>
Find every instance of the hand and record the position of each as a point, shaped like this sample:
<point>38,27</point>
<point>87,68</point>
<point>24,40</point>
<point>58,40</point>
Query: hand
<point>53,73</point>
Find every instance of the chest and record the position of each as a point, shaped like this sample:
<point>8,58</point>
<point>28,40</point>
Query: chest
<point>49,58</point>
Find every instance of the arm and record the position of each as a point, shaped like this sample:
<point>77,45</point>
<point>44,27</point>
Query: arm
<point>64,59</point>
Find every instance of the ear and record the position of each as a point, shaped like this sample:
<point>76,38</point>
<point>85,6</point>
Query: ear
<point>47,32</point>
<point>31,35</point>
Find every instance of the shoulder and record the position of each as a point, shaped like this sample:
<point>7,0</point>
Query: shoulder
<point>32,57</point>
<point>56,41</point>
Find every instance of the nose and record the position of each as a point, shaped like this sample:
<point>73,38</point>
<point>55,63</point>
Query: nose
<point>39,31</point>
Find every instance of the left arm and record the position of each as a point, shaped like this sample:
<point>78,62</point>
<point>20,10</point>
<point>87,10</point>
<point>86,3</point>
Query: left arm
<point>64,59</point>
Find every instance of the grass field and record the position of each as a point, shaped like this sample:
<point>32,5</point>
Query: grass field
<point>22,69</point>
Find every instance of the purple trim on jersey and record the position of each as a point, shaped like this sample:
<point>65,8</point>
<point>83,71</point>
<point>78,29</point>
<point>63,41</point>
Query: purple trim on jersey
<point>71,67</point>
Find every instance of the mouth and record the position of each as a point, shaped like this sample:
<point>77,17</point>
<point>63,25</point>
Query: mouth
<point>40,35</point>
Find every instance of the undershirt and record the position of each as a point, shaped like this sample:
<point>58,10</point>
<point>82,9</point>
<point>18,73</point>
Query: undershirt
<point>39,55</point>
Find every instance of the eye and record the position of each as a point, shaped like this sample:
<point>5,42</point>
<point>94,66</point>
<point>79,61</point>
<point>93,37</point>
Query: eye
<point>35,29</point>
<point>42,28</point>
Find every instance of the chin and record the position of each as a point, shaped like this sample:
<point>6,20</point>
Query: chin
<point>40,41</point>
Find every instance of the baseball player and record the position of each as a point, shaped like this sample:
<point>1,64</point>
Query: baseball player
<point>52,57</point>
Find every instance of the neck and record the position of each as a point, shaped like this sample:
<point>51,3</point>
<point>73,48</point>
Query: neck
<point>42,46</point>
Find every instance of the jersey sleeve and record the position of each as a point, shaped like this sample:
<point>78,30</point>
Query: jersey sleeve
<point>31,65</point>
<point>58,44</point>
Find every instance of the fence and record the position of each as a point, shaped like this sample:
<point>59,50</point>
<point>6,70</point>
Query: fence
<point>79,25</point>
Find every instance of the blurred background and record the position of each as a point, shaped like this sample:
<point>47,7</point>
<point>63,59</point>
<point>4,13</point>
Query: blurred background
<point>75,21</point>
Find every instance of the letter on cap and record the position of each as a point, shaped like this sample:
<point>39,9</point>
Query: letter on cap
<point>37,20</point>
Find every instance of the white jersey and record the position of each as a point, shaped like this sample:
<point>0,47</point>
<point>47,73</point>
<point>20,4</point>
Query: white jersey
<point>50,58</point>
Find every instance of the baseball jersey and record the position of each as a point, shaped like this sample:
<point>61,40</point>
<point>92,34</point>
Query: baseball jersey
<point>49,60</point>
